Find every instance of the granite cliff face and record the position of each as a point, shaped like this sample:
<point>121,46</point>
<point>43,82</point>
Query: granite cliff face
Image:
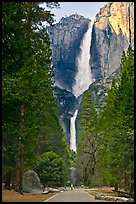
<point>65,38</point>
<point>113,31</point>
<point>67,103</point>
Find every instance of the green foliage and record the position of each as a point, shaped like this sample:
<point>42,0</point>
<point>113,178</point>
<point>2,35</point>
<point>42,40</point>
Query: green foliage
<point>27,83</point>
<point>111,155</point>
<point>24,75</point>
<point>87,146</point>
<point>116,128</point>
<point>51,169</point>
<point>72,158</point>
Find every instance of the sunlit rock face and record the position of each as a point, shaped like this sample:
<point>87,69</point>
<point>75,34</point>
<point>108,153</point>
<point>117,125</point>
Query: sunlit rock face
<point>113,31</point>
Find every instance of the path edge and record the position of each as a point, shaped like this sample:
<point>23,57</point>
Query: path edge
<point>51,197</point>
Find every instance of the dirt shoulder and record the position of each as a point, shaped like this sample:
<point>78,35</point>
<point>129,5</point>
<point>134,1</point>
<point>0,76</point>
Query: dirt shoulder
<point>103,190</point>
<point>12,196</point>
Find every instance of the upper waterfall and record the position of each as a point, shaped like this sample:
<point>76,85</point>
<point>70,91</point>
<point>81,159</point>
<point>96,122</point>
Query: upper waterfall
<point>83,77</point>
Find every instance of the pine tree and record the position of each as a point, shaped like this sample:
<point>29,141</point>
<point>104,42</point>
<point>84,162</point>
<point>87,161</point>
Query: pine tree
<point>87,146</point>
<point>116,129</point>
<point>52,169</point>
<point>29,106</point>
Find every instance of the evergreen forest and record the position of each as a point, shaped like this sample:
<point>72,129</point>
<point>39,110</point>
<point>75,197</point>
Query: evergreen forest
<point>30,123</point>
<point>105,150</point>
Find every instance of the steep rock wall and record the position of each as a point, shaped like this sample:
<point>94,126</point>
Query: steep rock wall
<point>67,103</point>
<point>112,32</point>
<point>65,38</point>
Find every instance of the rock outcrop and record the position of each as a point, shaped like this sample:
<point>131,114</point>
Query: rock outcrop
<point>67,103</point>
<point>99,196</point>
<point>31,183</point>
<point>113,31</point>
<point>65,38</point>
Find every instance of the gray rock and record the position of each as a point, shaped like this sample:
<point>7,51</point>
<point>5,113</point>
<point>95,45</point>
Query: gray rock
<point>67,104</point>
<point>45,192</point>
<point>31,183</point>
<point>130,200</point>
<point>65,38</point>
<point>98,196</point>
<point>49,189</point>
<point>110,37</point>
<point>112,32</point>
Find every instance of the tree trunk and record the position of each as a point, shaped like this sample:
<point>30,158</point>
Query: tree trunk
<point>131,190</point>
<point>126,184</point>
<point>16,186</point>
<point>85,176</point>
<point>12,180</point>
<point>21,174</point>
<point>29,22</point>
<point>20,160</point>
<point>116,187</point>
<point>7,181</point>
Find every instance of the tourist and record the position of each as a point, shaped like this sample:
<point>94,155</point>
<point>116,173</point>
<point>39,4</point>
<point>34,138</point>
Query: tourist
<point>71,186</point>
<point>65,186</point>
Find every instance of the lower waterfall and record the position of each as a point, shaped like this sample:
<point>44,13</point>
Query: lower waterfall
<point>73,132</point>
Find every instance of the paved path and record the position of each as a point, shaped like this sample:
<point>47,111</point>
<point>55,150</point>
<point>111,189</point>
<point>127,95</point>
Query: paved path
<point>76,195</point>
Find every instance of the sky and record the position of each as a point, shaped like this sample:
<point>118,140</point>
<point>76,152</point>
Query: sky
<point>87,9</point>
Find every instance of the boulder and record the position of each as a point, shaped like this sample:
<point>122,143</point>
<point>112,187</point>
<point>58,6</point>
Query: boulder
<point>98,196</point>
<point>130,200</point>
<point>31,183</point>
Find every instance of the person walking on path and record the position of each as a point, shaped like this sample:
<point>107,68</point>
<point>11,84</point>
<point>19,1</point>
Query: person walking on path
<point>65,186</point>
<point>71,186</point>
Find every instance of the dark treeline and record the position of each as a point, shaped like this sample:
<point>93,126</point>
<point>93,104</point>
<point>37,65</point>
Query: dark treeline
<point>30,123</point>
<point>105,151</point>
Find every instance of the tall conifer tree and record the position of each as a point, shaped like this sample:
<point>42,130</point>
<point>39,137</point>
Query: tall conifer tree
<point>87,146</point>
<point>28,102</point>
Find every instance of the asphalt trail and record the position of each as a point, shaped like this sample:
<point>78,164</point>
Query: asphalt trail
<point>76,195</point>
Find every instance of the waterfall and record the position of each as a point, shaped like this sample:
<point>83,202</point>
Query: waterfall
<point>83,77</point>
<point>73,132</point>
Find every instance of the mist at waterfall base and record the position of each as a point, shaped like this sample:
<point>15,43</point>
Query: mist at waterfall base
<point>83,78</point>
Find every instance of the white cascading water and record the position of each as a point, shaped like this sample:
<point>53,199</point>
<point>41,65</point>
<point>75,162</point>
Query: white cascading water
<point>83,78</point>
<point>73,132</point>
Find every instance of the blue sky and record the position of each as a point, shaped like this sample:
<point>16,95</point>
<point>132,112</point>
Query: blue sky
<point>87,9</point>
